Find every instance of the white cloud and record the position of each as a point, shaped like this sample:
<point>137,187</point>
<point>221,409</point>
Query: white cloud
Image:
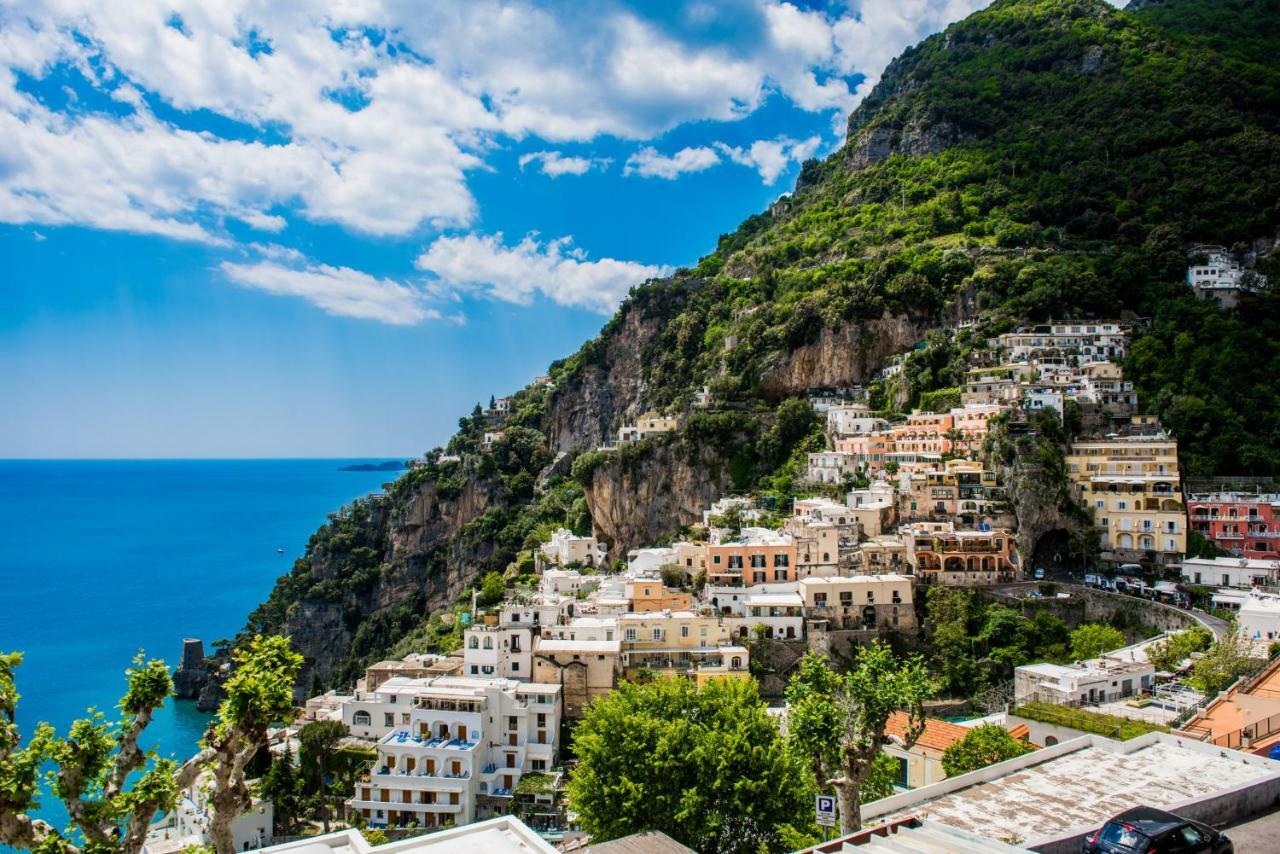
<point>339,291</point>
<point>771,157</point>
<point>485,265</point>
<point>371,113</point>
<point>648,162</point>
<point>554,164</point>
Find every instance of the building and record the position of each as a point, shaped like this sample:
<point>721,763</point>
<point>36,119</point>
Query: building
<point>853,419</point>
<point>186,826</point>
<point>462,752</point>
<point>1000,385</point>
<point>647,426</point>
<point>583,657</point>
<point>875,508</point>
<point>504,650</point>
<point>1244,717</point>
<point>1259,618</point>
<point>490,438</point>
<point>962,490</point>
<point>502,835</point>
<point>1048,800</point>
<point>921,764</point>
<point>1219,277</point>
<point>817,547</point>
<point>567,549</point>
<point>1067,344</point>
<point>1245,524</point>
<point>884,555</point>
<point>1231,572</point>
<point>756,556</point>
<point>690,557</point>
<point>565,582</point>
<point>649,594</point>
<point>1116,675</point>
<point>942,555</point>
<point>1132,485</point>
<point>680,643</point>
<point>774,615</point>
<point>831,466</point>
<point>860,602</point>
<point>416,666</point>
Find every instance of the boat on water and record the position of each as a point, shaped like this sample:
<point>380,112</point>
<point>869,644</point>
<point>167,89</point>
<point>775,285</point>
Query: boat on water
<point>279,551</point>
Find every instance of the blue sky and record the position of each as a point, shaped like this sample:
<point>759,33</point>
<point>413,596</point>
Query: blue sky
<point>235,229</point>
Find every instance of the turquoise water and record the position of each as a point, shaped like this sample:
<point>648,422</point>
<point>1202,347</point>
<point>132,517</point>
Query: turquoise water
<point>99,559</point>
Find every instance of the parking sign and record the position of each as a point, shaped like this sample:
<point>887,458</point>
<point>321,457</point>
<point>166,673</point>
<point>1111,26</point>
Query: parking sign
<point>824,809</point>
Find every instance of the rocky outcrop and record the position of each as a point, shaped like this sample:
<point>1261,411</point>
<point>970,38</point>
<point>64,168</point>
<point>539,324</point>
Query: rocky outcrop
<point>916,138</point>
<point>637,499</point>
<point>842,356</point>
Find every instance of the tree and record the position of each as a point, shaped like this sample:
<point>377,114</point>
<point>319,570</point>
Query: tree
<point>282,785</point>
<point>705,765</point>
<point>93,765</point>
<point>318,744</point>
<point>672,575</point>
<point>837,721</point>
<point>492,589</point>
<point>1168,654</point>
<point>982,746</point>
<point>1093,639</point>
<point>1224,663</point>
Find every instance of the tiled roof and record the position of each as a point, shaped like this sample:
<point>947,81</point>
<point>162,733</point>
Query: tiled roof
<point>938,734</point>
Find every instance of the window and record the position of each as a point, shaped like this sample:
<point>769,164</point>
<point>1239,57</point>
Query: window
<point>757,577</point>
<point>716,559</point>
<point>820,600</point>
<point>684,631</point>
<point>657,634</point>
<point>515,667</point>
<point>631,635</point>
<point>388,719</point>
<point>781,560</point>
<point>757,561</point>
<point>361,718</point>
<point>846,598</point>
<point>780,575</point>
<point>735,561</point>
<point>488,643</point>
<point>473,642</point>
<point>474,669</point>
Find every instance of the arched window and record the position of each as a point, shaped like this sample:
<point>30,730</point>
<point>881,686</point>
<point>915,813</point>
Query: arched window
<point>736,664</point>
<point>488,643</point>
<point>361,718</point>
<point>473,642</point>
<point>1050,740</point>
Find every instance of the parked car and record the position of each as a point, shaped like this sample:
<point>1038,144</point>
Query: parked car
<point>1147,830</point>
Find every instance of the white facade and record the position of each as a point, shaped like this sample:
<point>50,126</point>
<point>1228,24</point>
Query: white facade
<point>853,420</point>
<point>467,743</point>
<point>187,825</point>
<point>724,505</point>
<point>1112,676</point>
<point>565,582</point>
<point>567,548</point>
<point>781,614</point>
<point>502,835</point>
<point>830,466</point>
<point>1230,571</point>
<point>504,651</point>
<point>1260,618</point>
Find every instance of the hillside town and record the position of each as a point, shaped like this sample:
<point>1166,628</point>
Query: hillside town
<point>479,737</point>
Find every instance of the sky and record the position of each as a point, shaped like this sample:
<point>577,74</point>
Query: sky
<point>264,229</point>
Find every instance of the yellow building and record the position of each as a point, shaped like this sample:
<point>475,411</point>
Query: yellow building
<point>1133,486</point>
<point>648,594</point>
<point>680,643</point>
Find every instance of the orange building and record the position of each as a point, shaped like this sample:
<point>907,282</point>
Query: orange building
<point>757,556</point>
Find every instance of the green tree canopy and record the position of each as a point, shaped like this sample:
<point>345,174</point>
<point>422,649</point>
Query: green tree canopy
<point>1093,639</point>
<point>984,745</point>
<point>703,765</point>
<point>837,722</point>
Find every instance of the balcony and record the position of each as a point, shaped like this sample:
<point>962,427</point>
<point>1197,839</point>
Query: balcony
<point>405,806</point>
<point>400,738</point>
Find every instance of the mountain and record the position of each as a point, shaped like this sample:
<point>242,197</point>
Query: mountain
<point>1040,159</point>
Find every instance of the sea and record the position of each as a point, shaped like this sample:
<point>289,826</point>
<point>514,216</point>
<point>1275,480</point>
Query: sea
<point>102,559</point>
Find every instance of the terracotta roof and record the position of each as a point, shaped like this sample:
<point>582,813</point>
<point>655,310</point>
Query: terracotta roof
<point>1021,732</point>
<point>938,734</point>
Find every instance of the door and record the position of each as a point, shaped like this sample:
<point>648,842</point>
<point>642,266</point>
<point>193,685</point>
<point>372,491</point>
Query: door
<point>462,732</point>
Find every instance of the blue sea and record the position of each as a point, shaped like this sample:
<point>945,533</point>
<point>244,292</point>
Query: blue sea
<point>100,559</point>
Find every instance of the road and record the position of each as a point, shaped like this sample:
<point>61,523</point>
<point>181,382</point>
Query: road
<point>1258,835</point>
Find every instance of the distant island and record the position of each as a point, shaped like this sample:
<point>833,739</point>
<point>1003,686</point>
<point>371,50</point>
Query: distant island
<point>389,465</point>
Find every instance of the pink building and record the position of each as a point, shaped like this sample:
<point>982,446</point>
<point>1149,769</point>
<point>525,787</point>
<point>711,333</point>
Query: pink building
<point>1240,523</point>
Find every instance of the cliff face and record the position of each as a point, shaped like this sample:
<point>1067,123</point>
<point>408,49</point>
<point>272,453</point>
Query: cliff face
<point>635,502</point>
<point>846,355</point>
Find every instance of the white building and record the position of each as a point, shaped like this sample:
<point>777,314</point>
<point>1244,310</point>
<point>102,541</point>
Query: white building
<point>853,420</point>
<point>460,757</point>
<point>1112,676</point>
<point>502,835</point>
<point>187,825</point>
<point>1220,278</point>
<point>781,615</point>
<point>565,548</point>
<point>504,650</point>
<point>1069,344</point>
<point>1260,618</point>
<point>565,582</point>
<point>749,511</point>
<point>1230,571</point>
<point>831,466</point>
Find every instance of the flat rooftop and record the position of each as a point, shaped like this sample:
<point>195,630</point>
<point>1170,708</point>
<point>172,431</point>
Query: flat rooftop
<point>502,835</point>
<point>1079,786</point>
